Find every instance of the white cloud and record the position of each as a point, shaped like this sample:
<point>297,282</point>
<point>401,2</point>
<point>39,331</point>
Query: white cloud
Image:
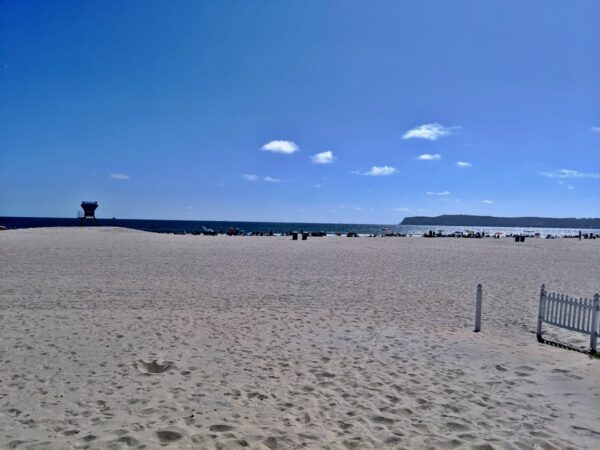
<point>567,173</point>
<point>322,158</point>
<point>438,193</point>
<point>285,147</point>
<point>429,157</point>
<point>378,171</point>
<point>401,209</point>
<point>487,202</point>
<point>463,164</point>
<point>119,176</point>
<point>429,131</point>
<point>318,186</point>
<point>250,177</point>
<point>272,180</point>
<point>570,187</point>
<point>595,129</point>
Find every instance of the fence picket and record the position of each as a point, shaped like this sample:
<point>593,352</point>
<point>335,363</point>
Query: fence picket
<point>570,313</point>
<point>587,315</point>
<point>594,331</point>
<point>561,309</point>
<point>579,310</point>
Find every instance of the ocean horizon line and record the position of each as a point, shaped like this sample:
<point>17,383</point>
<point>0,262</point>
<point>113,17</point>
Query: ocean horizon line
<point>207,220</point>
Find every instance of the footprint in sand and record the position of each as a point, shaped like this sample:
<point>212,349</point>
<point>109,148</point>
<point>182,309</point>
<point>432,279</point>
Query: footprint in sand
<point>457,427</point>
<point>270,443</point>
<point>383,420</point>
<point>88,438</point>
<point>129,441</point>
<point>524,371</point>
<point>167,436</point>
<point>221,428</point>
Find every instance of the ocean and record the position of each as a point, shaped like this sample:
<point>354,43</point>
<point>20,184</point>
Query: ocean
<point>190,226</point>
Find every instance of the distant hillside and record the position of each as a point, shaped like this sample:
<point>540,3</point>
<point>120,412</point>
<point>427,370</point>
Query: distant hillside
<point>490,221</point>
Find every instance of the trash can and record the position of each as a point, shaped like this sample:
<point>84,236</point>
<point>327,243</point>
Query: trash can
<point>294,236</point>
<point>304,236</point>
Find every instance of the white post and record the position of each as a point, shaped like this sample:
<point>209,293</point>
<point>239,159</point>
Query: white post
<point>478,299</point>
<point>594,331</point>
<point>541,313</point>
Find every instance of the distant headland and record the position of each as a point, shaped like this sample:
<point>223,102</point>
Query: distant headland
<point>463,220</point>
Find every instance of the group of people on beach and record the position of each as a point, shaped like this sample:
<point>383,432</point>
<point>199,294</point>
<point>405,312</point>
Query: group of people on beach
<point>519,237</point>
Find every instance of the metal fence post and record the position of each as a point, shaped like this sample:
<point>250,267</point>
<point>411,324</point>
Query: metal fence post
<point>594,330</point>
<point>478,300</point>
<point>541,313</point>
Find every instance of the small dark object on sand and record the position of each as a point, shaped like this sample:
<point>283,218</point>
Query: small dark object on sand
<point>154,366</point>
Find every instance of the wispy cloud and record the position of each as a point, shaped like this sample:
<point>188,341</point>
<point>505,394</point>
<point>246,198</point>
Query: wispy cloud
<point>568,173</point>
<point>487,202</point>
<point>322,158</point>
<point>568,186</point>
<point>268,179</point>
<point>317,186</point>
<point>377,171</point>
<point>429,131</point>
<point>463,164</point>
<point>429,157</point>
<point>595,129</point>
<point>438,193</point>
<point>119,176</point>
<point>285,147</point>
<point>402,209</point>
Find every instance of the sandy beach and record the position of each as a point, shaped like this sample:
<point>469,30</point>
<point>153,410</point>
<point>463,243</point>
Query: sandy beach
<point>269,343</point>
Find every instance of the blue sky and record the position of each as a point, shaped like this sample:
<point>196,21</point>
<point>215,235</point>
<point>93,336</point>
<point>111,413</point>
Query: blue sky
<point>325,111</point>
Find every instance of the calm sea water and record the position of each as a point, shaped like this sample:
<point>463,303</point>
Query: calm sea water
<point>188,226</point>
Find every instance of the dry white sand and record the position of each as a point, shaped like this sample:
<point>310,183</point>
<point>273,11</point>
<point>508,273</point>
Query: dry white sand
<point>329,343</point>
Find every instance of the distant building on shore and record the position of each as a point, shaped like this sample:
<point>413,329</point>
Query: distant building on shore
<point>88,216</point>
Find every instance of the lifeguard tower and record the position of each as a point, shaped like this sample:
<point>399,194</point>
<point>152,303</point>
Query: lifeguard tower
<point>87,217</point>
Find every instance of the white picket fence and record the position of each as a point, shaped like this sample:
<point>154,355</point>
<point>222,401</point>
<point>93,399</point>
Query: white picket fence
<point>575,314</point>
